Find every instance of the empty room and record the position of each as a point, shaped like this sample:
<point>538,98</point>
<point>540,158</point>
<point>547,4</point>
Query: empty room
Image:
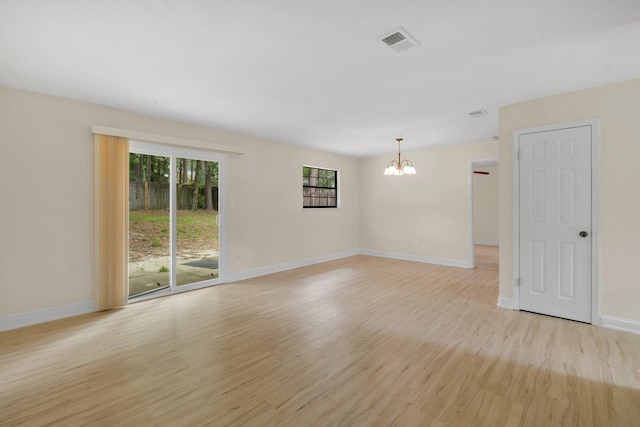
<point>319,214</point>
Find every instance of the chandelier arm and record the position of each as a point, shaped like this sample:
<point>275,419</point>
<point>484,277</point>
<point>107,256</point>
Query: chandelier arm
<point>399,167</point>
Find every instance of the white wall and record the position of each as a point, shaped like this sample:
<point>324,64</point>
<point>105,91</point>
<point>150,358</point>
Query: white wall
<point>46,192</point>
<point>424,216</point>
<point>618,107</point>
<point>486,205</point>
<point>268,224</point>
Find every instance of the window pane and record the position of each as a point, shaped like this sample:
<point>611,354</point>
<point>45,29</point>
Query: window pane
<point>149,261</point>
<point>319,187</point>
<point>196,225</point>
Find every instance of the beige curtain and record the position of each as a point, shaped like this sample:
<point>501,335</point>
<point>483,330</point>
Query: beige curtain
<point>112,206</point>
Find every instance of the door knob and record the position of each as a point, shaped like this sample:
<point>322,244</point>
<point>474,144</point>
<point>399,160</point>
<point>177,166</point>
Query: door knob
<point>583,234</point>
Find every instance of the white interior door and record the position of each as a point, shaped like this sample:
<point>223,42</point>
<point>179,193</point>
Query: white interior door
<point>555,223</point>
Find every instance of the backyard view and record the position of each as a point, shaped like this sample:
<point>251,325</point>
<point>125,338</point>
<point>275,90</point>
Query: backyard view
<point>150,236</point>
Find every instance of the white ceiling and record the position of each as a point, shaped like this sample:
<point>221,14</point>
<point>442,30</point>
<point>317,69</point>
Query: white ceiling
<point>314,73</point>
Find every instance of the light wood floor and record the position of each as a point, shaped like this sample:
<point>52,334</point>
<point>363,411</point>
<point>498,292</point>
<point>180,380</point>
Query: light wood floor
<point>486,257</point>
<point>361,341</point>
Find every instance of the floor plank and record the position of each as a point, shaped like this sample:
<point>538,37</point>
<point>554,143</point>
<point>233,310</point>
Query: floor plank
<point>361,341</point>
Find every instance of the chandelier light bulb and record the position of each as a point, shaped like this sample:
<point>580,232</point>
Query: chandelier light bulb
<point>399,166</point>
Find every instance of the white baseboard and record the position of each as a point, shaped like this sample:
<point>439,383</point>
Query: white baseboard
<point>418,258</point>
<point>504,302</point>
<point>14,321</point>
<point>270,269</point>
<point>486,242</point>
<point>619,324</point>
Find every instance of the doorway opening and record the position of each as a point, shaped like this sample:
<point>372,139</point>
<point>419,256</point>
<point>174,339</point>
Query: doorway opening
<point>483,214</point>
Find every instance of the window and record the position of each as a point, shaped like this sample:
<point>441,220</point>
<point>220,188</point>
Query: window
<point>319,187</point>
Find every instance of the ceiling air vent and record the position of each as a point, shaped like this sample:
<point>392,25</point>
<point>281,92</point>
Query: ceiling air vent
<point>399,40</point>
<point>478,113</point>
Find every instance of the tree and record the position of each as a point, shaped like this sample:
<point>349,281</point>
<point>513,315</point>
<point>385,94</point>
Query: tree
<point>183,175</point>
<point>135,167</point>
<point>207,187</point>
<point>196,181</point>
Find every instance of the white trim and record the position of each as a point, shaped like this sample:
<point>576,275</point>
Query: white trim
<point>471,249</point>
<point>270,269</point>
<point>96,223</point>
<point>167,140</point>
<point>491,161</point>
<point>419,258</point>
<point>14,321</point>
<point>515,209</point>
<point>619,324</point>
<point>488,161</point>
<point>487,242</point>
<point>596,189</point>
<point>595,208</point>
<point>223,224</point>
<point>504,302</point>
<point>276,268</point>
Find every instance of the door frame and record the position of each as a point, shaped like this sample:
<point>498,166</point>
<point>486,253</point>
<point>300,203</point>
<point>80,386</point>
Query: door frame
<point>595,208</point>
<point>174,152</point>
<point>490,161</point>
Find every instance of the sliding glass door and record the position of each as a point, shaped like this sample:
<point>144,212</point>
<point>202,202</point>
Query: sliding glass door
<point>197,237</point>
<point>174,219</point>
<point>149,223</point>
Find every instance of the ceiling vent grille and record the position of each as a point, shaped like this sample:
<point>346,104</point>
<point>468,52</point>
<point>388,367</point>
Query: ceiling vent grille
<point>478,113</point>
<point>393,39</point>
<point>399,40</point>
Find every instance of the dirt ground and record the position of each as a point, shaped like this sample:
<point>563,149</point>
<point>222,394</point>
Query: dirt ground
<point>146,275</point>
<point>149,233</point>
<point>149,263</point>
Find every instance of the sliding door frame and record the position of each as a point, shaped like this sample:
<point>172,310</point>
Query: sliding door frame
<point>173,152</point>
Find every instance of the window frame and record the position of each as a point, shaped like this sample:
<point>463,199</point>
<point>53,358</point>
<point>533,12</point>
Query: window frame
<point>336,180</point>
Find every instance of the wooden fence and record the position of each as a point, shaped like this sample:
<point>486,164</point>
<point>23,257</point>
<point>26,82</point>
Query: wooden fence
<point>157,196</point>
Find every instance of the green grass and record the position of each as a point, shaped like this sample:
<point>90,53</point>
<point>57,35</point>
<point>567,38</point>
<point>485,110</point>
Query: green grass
<point>137,217</point>
<point>190,223</point>
<point>149,231</point>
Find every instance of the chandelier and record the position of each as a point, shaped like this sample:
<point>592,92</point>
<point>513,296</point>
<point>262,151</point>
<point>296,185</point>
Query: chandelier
<point>400,167</point>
